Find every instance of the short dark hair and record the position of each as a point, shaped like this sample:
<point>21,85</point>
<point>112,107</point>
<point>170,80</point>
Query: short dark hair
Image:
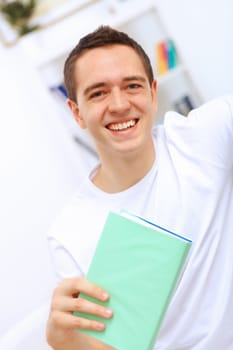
<point>102,36</point>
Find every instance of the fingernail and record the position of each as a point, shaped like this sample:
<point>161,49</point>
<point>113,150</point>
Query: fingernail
<point>108,312</point>
<point>104,296</point>
<point>100,326</point>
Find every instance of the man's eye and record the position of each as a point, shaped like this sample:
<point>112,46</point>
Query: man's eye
<point>134,86</point>
<point>96,94</point>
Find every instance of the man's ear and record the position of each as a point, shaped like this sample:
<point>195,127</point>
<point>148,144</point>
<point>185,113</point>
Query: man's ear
<point>154,94</point>
<point>76,113</point>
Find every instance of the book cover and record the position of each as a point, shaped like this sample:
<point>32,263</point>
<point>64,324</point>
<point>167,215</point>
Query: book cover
<point>184,105</point>
<point>171,54</point>
<point>139,264</point>
<point>162,59</point>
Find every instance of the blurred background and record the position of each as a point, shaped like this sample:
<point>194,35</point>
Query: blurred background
<point>44,155</point>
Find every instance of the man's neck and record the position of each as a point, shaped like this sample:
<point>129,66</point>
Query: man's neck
<point>116,174</point>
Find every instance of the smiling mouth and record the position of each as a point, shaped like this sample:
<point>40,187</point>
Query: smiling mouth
<point>122,126</point>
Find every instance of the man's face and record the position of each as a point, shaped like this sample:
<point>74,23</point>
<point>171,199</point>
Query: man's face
<point>115,101</point>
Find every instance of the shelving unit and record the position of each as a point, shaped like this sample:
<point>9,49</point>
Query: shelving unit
<point>49,47</point>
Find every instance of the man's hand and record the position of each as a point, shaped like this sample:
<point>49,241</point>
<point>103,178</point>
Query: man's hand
<point>62,324</point>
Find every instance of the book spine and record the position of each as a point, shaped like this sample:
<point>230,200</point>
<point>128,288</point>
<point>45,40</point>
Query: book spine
<point>162,61</point>
<point>171,54</point>
<point>184,105</point>
<point>166,56</point>
<point>60,90</point>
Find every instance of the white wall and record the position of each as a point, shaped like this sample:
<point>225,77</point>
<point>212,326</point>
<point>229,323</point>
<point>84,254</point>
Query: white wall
<point>203,31</point>
<point>39,170</point>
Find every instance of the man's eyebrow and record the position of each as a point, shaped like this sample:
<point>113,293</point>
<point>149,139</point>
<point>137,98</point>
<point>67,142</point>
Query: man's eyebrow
<point>102,84</point>
<point>93,86</point>
<point>135,77</point>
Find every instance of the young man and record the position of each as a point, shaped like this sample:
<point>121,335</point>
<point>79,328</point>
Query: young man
<point>179,175</point>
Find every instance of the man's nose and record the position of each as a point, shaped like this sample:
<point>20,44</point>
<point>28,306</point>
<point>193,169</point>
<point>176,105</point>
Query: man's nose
<point>118,101</point>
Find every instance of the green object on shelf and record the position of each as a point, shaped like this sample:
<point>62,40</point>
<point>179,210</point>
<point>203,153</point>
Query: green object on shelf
<point>18,14</point>
<point>171,54</point>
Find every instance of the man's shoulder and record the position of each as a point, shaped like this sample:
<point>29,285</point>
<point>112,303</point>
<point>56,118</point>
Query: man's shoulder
<point>79,212</point>
<point>66,217</point>
<point>216,113</point>
<point>220,105</point>
<point>205,135</point>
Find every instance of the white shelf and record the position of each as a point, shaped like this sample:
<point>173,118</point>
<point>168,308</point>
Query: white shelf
<point>46,45</point>
<point>170,74</point>
<point>52,12</point>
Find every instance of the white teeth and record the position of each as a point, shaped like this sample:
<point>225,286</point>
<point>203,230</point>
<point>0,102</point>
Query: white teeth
<point>122,126</point>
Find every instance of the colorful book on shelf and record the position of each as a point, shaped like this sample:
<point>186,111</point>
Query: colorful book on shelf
<point>59,90</point>
<point>171,54</point>
<point>139,264</point>
<point>161,54</point>
<point>166,56</point>
<point>183,105</point>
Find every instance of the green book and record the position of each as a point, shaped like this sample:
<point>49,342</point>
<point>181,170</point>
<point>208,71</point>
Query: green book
<point>139,264</point>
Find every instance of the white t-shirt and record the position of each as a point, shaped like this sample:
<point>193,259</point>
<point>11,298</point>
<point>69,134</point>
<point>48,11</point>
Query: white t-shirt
<point>189,190</point>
